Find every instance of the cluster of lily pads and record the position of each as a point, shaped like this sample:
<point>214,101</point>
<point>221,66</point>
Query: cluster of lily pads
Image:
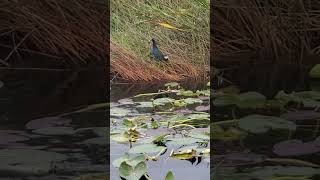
<point>172,121</point>
<point>259,138</point>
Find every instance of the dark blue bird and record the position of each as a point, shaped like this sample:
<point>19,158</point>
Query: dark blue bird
<point>156,53</point>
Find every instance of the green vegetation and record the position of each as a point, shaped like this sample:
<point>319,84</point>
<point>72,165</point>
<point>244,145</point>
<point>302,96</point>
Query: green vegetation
<point>181,29</point>
<point>160,125</point>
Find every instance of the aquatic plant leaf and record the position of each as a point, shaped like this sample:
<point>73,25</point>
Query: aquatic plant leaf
<point>281,171</point>
<point>180,103</point>
<point>251,100</point>
<point>120,138</point>
<point>55,131</point>
<point>146,148</point>
<point>128,122</point>
<point>140,169</point>
<point>260,124</point>
<point>116,163</point>
<point>199,136</point>
<point>183,154</point>
<point>154,124</point>
<point>301,115</point>
<point>27,162</point>
<point>225,100</point>
<point>46,122</point>
<point>230,134</point>
<point>193,101</point>
<point>187,93</point>
<point>119,112</point>
<point>292,162</point>
<point>203,108</point>
<point>163,101</point>
<point>134,161</point>
<point>182,141</point>
<point>203,92</point>
<point>126,171</point>
<point>171,84</point>
<point>102,141</point>
<point>239,158</point>
<point>126,101</point>
<point>296,147</point>
<point>314,95</point>
<point>169,176</point>
<point>145,107</point>
<point>315,71</point>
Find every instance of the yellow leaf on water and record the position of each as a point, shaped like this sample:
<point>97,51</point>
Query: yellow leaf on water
<point>168,26</point>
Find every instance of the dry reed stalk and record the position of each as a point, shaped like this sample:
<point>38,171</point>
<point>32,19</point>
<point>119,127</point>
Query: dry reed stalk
<point>272,29</point>
<point>131,68</point>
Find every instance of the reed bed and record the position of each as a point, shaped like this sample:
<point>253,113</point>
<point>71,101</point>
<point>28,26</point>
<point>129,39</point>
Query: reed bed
<point>269,29</point>
<point>127,66</point>
<point>74,29</point>
<point>186,41</point>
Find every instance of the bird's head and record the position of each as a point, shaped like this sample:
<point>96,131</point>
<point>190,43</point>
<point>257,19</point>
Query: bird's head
<point>153,41</point>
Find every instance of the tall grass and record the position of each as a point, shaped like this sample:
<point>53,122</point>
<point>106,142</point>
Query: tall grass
<point>76,29</point>
<point>135,22</point>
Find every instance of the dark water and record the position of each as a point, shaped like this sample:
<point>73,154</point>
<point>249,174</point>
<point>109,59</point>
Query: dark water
<point>29,94</point>
<point>41,96</point>
<point>267,78</point>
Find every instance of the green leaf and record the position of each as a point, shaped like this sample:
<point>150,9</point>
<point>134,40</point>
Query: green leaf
<point>163,101</point>
<point>315,71</point>
<point>260,124</point>
<point>117,162</point>
<point>146,148</point>
<point>169,176</point>
<point>140,169</point>
<point>125,170</point>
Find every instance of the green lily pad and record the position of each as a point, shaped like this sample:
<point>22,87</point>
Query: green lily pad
<point>193,101</point>
<point>24,162</point>
<point>55,131</point>
<point>315,72</point>
<point>260,124</point>
<point>182,141</point>
<point>163,101</point>
<point>172,84</point>
<point>119,112</point>
<point>146,148</point>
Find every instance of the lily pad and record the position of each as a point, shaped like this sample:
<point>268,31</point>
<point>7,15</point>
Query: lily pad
<point>47,122</point>
<point>119,112</point>
<point>146,148</point>
<point>260,124</point>
<point>315,71</point>
<point>55,131</point>
<point>163,101</point>
<point>22,162</point>
<point>296,147</point>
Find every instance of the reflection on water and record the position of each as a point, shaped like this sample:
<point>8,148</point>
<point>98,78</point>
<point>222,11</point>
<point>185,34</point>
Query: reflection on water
<point>32,104</point>
<point>268,79</point>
